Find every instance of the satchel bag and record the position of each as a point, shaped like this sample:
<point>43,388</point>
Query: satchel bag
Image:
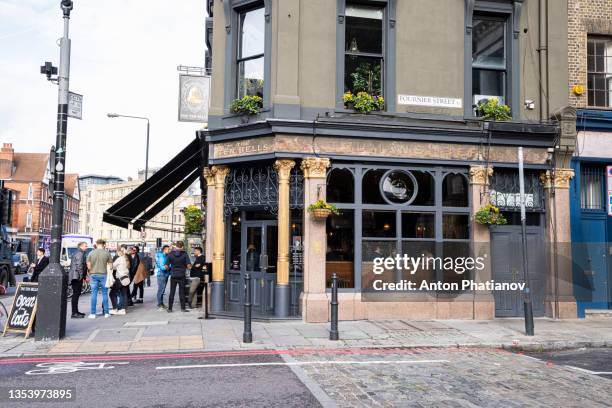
<point>125,280</point>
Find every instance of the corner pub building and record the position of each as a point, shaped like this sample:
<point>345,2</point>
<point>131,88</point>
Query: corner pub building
<point>432,60</point>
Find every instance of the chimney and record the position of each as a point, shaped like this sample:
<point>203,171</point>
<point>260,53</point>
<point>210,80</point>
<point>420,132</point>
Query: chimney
<point>6,160</point>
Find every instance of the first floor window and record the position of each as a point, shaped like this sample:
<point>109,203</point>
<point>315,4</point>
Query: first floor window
<point>489,61</point>
<point>591,187</point>
<point>250,53</point>
<point>364,49</point>
<point>599,68</point>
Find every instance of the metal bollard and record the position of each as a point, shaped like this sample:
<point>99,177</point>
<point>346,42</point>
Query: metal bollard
<point>247,335</point>
<point>333,333</point>
<point>206,300</point>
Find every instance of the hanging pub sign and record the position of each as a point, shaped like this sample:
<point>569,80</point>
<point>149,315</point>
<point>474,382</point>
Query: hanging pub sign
<point>609,189</point>
<point>23,309</point>
<point>194,96</point>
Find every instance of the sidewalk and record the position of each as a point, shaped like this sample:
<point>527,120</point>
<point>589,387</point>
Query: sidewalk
<point>144,329</point>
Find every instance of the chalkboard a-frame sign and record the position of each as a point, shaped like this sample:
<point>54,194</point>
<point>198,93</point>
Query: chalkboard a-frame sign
<point>23,310</point>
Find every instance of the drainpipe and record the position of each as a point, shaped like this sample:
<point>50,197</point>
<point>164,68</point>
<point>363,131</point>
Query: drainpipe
<point>543,58</point>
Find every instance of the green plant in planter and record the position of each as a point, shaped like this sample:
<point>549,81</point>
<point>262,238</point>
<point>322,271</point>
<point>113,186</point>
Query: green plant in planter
<point>247,105</point>
<point>490,215</point>
<point>490,109</point>
<point>363,102</point>
<point>322,205</point>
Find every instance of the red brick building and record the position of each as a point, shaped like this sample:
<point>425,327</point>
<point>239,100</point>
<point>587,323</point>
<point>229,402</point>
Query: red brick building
<point>27,175</point>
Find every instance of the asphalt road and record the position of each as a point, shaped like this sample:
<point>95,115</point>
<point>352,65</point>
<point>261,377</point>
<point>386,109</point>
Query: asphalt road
<point>136,381</point>
<point>592,361</point>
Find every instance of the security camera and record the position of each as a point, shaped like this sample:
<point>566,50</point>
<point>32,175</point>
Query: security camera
<point>66,7</point>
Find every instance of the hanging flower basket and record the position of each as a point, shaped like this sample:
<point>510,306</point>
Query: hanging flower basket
<point>321,210</point>
<point>490,215</point>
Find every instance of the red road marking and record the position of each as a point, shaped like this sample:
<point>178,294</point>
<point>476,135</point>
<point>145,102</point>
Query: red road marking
<point>241,353</point>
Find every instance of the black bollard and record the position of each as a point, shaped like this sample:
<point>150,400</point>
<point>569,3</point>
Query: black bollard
<point>247,335</point>
<point>333,333</point>
<point>206,300</point>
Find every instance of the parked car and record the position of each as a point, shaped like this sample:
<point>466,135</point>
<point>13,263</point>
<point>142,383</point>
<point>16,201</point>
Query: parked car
<point>20,262</point>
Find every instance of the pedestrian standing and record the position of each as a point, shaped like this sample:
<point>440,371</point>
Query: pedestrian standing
<point>99,262</point>
<point>77,273</point>
<point>135,266</point>
<point>197,276</point>
<point>41,263</point>
<point>148,260</point>
<point>162,270</point>
<point>179,263</point>
<point>121,275</point>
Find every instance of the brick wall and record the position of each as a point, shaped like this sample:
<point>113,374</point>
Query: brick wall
<point>585,17</point>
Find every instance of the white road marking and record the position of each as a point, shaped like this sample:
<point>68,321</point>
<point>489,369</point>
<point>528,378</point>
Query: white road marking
<point>298,363</point>
<point>67,367</point>
<point>584,370</point>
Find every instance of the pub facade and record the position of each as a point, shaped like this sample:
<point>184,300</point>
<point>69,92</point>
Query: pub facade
<point>407,176</point>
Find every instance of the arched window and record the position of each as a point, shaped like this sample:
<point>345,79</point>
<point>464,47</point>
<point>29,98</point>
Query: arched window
<point>340,186</point>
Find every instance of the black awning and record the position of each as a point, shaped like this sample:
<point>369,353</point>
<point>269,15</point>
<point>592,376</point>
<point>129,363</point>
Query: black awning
<point>172,179</point>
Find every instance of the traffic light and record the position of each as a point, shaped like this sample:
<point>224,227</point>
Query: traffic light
<point>159,242</point>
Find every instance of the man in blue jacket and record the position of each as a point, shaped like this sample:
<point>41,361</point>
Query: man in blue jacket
<point>162,271</point>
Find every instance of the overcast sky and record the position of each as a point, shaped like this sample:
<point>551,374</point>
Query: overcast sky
<point>124,59</point>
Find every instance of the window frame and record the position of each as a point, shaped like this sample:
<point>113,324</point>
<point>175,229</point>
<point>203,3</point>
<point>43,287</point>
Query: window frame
<point>608,98</point>
<point>232,9</point>
<point>239,58</point>
<point>510,10</point>
<point>388,52</point>
<point>437,209</point>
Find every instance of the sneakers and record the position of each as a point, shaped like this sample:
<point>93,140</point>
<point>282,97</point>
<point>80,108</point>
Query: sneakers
<point>169,310</point>
<point>91,316</point>
<point>161,308</point>
<point>77,316</point>
<point>107,315</point>
<point>113,312</point>
<point>120,312</point>
<point>138,301</point>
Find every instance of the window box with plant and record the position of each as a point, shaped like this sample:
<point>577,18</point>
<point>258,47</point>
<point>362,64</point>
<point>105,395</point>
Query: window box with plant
<point>363,102</point>
<point>490,215</point>
<point>490,109</point>
<point>247,105</point>
<point>320,209</point>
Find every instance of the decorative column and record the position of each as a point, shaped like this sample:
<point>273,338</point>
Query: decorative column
<point>210,211</point>
<point>217,287</point>
<point>560,301</point>
<point>282,293</point>
<point>314,297</point>
<point>484,303</point>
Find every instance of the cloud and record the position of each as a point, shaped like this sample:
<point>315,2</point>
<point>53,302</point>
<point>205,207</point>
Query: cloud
<point>124,59</point>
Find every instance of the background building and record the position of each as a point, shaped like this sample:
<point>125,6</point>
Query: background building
<point>167,225</point>
<point>590,92</point>
<point>95,179</point>
<point>27,174</point>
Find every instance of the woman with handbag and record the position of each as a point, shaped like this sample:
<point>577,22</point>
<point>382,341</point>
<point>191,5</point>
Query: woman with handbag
<point>121,279</point>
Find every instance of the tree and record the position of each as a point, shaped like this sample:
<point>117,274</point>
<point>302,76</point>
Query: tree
<point>193,220</point>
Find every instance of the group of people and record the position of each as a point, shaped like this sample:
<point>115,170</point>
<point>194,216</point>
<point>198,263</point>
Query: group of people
<point>114,276</point>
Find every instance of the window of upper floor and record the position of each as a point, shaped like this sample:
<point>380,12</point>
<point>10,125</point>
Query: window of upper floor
<point>489,58</point>
<point>364,49</point>
<point>250,52</point>
<point>599,71</point>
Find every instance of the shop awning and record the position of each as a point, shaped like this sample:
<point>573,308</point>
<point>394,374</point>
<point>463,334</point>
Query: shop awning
<point>155,194</point>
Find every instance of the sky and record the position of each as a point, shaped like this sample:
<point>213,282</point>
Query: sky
<point>124,59</point>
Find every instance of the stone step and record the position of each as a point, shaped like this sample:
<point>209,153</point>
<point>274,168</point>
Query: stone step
<point>598,313</point>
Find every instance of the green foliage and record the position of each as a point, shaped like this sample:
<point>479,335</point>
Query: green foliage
<point>247,105</point>
<point>366,78</point>
<point>363,102</point>
<point>490,215</point>
<point>490,109</point>
<point>322,205</point>
<point>193,220</point>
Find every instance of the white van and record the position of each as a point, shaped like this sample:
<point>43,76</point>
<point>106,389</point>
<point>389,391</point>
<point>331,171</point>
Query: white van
<point>70,244</point>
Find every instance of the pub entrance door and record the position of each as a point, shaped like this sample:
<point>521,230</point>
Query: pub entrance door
<point>258,255</point>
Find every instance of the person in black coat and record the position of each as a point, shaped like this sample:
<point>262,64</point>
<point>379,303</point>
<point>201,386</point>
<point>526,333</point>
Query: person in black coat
<point>41,263</point>
<point>137,288</point>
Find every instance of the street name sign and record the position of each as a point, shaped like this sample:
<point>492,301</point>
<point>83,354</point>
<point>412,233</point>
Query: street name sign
<point>75,105</point>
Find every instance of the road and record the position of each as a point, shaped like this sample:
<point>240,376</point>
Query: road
<point>310,378</point>
<point>595,362</point>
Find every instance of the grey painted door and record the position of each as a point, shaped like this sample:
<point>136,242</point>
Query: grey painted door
<point>507,264</point>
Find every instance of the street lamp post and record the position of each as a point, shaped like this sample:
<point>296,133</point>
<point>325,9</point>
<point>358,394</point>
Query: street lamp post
<point>116,115</point>
<point>53,281</point>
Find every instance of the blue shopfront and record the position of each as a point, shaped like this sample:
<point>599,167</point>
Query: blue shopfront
<point>591,222</point>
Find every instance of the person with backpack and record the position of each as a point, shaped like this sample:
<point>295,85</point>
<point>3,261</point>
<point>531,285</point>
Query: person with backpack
<point>122,278</point>
<point>179,262</point>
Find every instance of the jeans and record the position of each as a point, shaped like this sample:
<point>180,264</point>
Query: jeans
<point>193,292</point>
<point>117,295</point>
<point>162,281</point>
<point>77,287</point>
<point>98,281</point>
<point>174,282</point>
